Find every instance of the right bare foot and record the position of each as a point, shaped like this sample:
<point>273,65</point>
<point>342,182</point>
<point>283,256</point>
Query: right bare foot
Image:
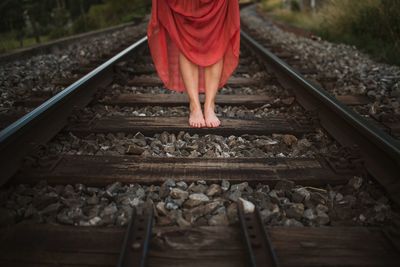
<point>196,118</point>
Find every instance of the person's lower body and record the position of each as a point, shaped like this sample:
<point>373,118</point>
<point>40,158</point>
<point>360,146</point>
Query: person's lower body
<point>190,76</point>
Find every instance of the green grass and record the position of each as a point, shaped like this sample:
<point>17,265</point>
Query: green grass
<point>8,42</point>
<point>304,20</point>
<point>271,5</point>
<point>369,25</point>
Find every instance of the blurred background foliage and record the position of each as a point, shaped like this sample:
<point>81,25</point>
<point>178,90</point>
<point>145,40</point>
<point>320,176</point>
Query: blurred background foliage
<point>371,25</point>
<point>27,22</point>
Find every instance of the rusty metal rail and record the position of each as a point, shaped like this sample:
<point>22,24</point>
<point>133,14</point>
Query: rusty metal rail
<point>137,238</point>
<point>257,240</point>
<point>42,123</point>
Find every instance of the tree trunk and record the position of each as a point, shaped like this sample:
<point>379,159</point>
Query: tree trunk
<point>35,31</point>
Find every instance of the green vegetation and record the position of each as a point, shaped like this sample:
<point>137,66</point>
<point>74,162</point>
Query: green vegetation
<point>371,25</point>
<point>27,22</point>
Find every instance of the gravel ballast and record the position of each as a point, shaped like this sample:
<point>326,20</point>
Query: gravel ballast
<point>197,204</point>
<point>350,71</point>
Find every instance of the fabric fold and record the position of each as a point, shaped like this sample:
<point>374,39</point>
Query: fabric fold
<point>203,30</point>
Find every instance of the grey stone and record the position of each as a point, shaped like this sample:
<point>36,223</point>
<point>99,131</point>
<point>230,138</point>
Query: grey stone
<point>171,206</point>
<point>295,210</point>
<point>235,195</point>
<point>63,218</point>
<point>93,200</point>
<point>203,182</point>
<point>309,214</point>
<point>199,197</point>
<point>321,208</point>
<point>109,210</point>
<point>274,196</point>
<point>95,221</point>
<point>355,182</point>
<point>169,148</point>
<point>300,195</point>
<point>113,188</point>
<point>292,223</point>
<point>284,185</point>
<point>164,136</point>
<point>51,209</point>
<point>289,139</point>
<point>165,188</point>
<point>318,198</point>
<point>199,188</point>
<point>161,210</point>
<point>248,207</point>
<point>267,215</point>
<point>179,194</point>
<point>225,185</point>
<point>239,187</point>
<point>176,216</point>
<point>219,220</point>
<point>140,193</point>
<point>182,185</point>
<point>134,150</point>
<point>322,218</point>
<point>214,190</point>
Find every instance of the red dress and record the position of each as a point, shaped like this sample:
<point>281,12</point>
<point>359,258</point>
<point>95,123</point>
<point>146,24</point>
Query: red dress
<point>203,30</point>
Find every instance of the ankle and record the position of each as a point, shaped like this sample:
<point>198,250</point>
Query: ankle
<point>194,107</point>
<point>209,106</point>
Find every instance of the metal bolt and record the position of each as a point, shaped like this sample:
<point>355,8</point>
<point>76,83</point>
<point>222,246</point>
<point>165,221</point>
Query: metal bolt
<point>136,245</point>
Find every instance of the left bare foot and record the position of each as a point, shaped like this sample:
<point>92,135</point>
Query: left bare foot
<point>210,117</point>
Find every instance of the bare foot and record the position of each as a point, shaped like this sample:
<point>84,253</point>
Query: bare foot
<point>210,118</point>
<point>196,118</point>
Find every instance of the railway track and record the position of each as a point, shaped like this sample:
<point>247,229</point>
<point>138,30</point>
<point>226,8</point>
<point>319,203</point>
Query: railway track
<point>116,136</point>
<point>381,116</point>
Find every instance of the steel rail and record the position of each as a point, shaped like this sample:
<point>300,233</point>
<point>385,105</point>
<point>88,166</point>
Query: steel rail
<point>136,242</point>
<point>46,120</point>
<point>380,151</point>
<point>258,242</point>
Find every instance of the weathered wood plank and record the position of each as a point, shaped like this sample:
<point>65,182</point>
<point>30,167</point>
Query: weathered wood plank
<point>31,102</point>
<point>353,100</point>
<point>339,246</point>
<point>197,247</point>
<point>103,170</point>
<point>7,119</point>
<point>182,99</point>
<point>51,245</point>
<point>152,125</point>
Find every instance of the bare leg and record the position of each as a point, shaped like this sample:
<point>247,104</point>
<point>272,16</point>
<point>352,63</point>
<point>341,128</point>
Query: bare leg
<point>212,78</point>
<point>190,76</point>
